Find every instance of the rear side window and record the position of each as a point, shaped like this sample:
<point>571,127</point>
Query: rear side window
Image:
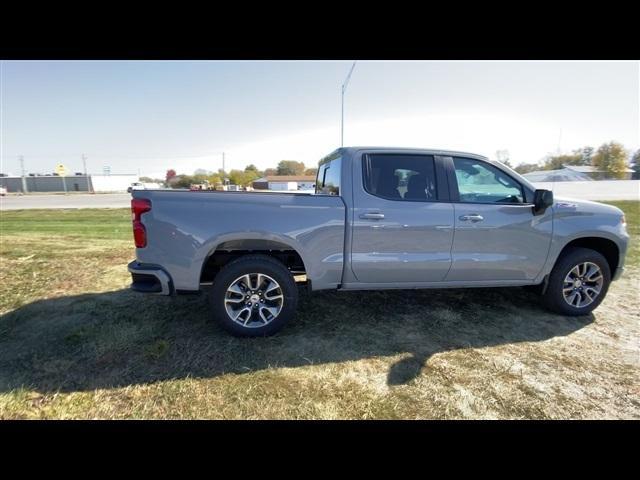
<point>401,177</point>
<point>328,179</point>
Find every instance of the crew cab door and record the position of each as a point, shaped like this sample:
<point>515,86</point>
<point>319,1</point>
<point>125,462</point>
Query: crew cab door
<point>497,236</point>
<point>402,224</point>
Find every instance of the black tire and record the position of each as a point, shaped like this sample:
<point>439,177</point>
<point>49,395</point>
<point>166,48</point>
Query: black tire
<point>554,298</point>
<point>249,264</point>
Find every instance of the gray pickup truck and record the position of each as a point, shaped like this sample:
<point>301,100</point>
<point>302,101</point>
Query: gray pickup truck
<point>380,218</point>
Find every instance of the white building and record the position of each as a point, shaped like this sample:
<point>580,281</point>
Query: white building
<point>285,183</point>
<point>113,182</point>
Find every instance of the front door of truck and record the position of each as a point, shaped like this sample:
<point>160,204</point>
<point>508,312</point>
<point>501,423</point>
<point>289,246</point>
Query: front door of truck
<point>497,236</point>
<point>402,224</point>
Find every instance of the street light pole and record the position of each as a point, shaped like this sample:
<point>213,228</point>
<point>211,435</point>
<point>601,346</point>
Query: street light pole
<point>344,88</point>
<point>24,180</point>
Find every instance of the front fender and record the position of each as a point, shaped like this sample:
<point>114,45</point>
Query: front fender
<point>576,224</point>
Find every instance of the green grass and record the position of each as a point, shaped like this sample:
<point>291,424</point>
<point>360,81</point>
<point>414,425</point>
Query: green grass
<point>631,210</point>
<point>86,223</point>
<point>76,343</point>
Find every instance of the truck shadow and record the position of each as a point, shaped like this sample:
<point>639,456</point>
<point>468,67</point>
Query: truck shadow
<point>121,338</point>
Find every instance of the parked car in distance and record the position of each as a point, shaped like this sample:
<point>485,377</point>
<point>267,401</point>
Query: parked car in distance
<point>380,218</point>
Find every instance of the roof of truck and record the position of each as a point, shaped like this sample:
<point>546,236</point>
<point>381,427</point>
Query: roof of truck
<point>432,151</point>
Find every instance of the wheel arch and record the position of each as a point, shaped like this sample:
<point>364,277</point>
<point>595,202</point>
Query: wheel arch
<point>229,248</point>
<point>605,246</point>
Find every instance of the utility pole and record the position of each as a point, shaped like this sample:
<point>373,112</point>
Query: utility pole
<point>86,175</point>
<point>24,180</point>
<point>344,88</point>
<point>223,169</point>
<point>559,141</point>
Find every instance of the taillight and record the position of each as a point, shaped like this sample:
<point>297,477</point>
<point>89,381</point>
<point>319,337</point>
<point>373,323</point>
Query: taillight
<point>138,207</point>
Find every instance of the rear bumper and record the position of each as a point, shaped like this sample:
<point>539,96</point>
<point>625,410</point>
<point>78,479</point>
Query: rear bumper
<point>147,278</point>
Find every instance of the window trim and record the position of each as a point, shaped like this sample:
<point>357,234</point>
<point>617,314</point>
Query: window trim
<point>442,190</point>
<point>455,192</point>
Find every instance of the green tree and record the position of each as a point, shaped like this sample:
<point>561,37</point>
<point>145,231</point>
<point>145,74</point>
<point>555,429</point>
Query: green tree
<point>586,155</point>
<point>181,181</point>
<point>214,179</point>
<point>556,162</point>
<point>239,177</point>
<point>199,178</point>
<point>635,164</point>
<point>290,167</point>
<point>527,168</point>
<point>612,159</point>
<point>270,172</point>
<point>151,180</point>
<point>311,172</point>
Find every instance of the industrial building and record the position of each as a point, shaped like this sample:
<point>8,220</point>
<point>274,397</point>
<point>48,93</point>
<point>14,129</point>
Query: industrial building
<point>70,183</point>
<point>573,173</point>
<point>560,175</point>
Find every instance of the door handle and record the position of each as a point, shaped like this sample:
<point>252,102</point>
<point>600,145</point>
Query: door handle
<point>474,217</point>
<point>372,216</point>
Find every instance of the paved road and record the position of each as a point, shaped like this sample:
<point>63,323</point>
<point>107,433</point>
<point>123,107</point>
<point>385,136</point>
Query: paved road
<point>98,200</point>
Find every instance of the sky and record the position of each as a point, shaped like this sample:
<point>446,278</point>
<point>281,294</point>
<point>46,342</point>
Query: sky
<point>148,116</point>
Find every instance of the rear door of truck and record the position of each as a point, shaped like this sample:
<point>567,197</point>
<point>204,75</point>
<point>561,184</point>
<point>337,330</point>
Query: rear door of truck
<point>402,225</point>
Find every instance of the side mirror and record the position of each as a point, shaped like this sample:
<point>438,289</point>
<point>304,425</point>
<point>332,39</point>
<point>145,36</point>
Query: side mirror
<point>542,199</point>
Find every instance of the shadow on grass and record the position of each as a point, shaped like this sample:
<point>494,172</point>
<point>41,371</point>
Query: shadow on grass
<point>123,338</point>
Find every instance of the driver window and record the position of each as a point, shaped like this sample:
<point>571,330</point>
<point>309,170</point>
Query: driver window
<point>479,182</point>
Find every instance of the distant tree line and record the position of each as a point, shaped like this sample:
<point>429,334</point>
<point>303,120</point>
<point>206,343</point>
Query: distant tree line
<point>611,158</point>
<point>233,177</point>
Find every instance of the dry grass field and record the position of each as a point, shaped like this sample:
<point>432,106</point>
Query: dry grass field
<point>76,343</point>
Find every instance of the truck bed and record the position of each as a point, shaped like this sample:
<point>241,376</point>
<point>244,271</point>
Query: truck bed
<point>185,228</point>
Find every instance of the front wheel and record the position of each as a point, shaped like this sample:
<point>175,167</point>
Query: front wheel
<point>578,282</point>
<point>254,296</point>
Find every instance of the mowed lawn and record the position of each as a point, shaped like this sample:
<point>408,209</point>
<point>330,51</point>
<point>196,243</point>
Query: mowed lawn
<point>76,343</point>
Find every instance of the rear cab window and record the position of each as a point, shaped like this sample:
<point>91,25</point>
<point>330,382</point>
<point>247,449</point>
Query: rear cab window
<point>407,177</point>
<point>329,175</point>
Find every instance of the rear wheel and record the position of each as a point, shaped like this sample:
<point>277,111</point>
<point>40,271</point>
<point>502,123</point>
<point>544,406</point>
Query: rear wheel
<point>578,282</point>
<point>254,296</point>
